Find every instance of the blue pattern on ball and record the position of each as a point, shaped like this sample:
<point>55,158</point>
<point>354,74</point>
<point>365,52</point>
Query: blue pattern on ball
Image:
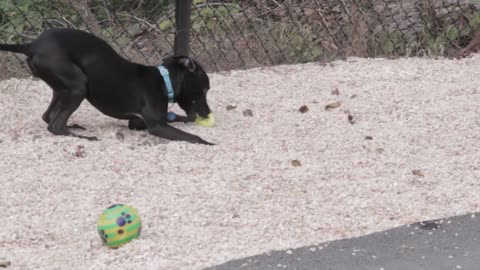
<point>121,221</point>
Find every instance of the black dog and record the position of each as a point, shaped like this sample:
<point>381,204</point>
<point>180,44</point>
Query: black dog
<point>79,65</point>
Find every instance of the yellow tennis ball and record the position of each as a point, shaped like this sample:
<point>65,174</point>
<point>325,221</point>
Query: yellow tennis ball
<point>205,122</point>
<point>118,225</point>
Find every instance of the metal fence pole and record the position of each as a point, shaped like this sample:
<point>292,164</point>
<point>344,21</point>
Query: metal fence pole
<point>183,10</point>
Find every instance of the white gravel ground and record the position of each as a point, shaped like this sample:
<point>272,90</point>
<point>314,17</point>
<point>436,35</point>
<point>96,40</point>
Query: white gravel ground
<point>202,206</point>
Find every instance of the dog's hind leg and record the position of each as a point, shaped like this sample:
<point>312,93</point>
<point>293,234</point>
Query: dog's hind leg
<point>47,114</point>
<point>69,84</point>
<point>33,68</point>
<point>66,105</point>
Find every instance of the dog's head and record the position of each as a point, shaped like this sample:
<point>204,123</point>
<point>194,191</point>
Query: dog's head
<point>194,84</point>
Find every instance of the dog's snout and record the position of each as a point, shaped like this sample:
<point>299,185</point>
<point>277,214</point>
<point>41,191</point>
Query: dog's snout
<point>201,107</point>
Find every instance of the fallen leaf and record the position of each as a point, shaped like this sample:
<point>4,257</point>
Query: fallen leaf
<point>231,107</point>
<point>336,92</point>
<point>368,138</point>
<point>4,263</point>
<point>248,112</point>
<point>303,109</point>
<point>296,163</point>
<point>333,105</point>
<point>350,119</point>
<point>418,173</point>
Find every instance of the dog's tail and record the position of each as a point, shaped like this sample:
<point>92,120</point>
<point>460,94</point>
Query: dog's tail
<point>15,48</point>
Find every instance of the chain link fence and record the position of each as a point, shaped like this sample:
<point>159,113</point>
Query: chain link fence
<point>242,34</point>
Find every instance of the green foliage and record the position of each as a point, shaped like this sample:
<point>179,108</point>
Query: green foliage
<point>392,42</point>
<point>150,9</point>
<point>208,16</point>
<point>289,31</point>
<point>475,21</point>
<point>27,17</point>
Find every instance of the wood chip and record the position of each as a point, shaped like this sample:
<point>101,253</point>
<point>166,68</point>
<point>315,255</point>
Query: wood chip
<point>231,107</point>
<point>303,109</point>
<point>296,163</point>
<point>4,263</point>
<point>418,173</point>
<point>333,105</point>
<point>248,112</point>
<point>350,119</point>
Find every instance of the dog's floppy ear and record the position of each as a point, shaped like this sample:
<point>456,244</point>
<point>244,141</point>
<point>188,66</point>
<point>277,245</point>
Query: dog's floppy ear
<point>187,62</point>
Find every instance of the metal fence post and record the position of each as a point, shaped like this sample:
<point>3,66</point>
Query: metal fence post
<point>183,10</point>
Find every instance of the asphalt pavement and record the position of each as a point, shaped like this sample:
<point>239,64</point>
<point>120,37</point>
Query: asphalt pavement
<point>451,244</point>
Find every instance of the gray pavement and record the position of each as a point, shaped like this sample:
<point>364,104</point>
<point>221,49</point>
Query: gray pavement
<point>450,243</point>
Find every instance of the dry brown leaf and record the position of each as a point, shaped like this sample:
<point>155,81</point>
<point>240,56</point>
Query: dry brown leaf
<point>247,112</point>
<point>303,109</point>
<point>4,263</point>
<point>333,105</point>
<point>231,107</point>
<point>296,163</point>
<point>418,173</point>
<point>350,119</point>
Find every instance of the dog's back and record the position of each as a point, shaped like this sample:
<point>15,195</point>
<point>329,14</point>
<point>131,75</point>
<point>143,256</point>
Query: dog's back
<point>83,48</point>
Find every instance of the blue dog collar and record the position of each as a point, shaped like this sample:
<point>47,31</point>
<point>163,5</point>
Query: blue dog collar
<point>168,83</point>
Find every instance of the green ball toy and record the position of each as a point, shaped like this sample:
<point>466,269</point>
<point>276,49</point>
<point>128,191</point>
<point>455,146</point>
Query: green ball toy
<point>205,122</point>
<point>118,225</point>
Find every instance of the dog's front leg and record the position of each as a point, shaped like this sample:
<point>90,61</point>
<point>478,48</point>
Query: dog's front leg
<point>168,132</point>
<point>155,116</point>
<point>184,119</point>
